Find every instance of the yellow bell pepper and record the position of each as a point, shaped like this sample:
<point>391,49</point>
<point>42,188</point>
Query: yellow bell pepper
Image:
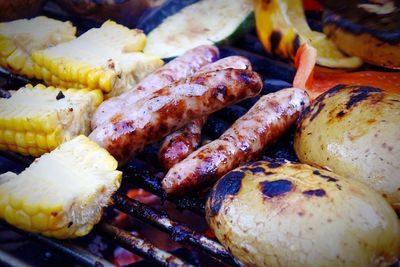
<point>282,28</point>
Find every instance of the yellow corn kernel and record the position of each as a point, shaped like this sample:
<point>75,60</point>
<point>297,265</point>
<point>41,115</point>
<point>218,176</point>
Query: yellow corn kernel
<point>33,151</point>
<point>37,70</point>
<point>50,123</point>
<point>17,60</point>
<point>22,219</point>
<point>56,220</point>
<point>106,81</point>
<point>30,208</point>
<point>46,75</point>
<point>9,137</point>
<point>40,221</point>
<point>20,139</point>
<point>41,141</point>
<point>2,141</point>
<point>9,215</point>
<point>52,141</point>
<point>83,230</point>
<point>93,78</point>
<point>37,57</point>
<point>3,203</point>
<point>28,69</point>
<point>83,74</point>
<point>30,139</point>
<point>6,48</point>
<point>15,202</point>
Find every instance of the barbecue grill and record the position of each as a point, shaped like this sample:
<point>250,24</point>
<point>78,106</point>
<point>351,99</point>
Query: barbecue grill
<point>143,172</point>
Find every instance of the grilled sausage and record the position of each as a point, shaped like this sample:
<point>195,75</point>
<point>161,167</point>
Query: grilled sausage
<point>178,145</point>
<point>245,140</point>
<point>173,106</point>
<point>179,68</point>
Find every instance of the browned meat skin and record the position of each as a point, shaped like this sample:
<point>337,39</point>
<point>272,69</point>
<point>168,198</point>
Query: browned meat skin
<point>245,140</point>
<point>173,106</point>
<point>179,68</point>
<point>178,145</point>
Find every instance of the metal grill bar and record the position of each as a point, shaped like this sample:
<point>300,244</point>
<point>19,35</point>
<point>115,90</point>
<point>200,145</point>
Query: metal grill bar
<point>66,248</point>
<point>179,232</point>
<point>8,260</point>
<point>139,246</point>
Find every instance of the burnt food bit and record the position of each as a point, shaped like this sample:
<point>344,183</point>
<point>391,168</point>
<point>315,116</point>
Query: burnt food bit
<point>274,165</point>
<point>328,178</point>
<point>316,192</point>
<point>60,95</point>
<point>275,188</point>
<point>275,39</point>
<point>228,185</point>
<point>361,94</point>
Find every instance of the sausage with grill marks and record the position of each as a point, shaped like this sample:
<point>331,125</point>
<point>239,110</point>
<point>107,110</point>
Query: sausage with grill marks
<point>178,145</point>
<point>245,140</point>
<point>172,107</point>
<point>178,68</point>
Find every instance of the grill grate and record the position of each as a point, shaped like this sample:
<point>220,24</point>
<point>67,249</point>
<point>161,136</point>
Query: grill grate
<point>143,171</point>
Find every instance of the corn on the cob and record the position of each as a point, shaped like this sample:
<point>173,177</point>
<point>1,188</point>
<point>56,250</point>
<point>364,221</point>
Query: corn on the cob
<point>20,38</point>
<point>105,58</point>
<point>37,119</point>
<point>62,193</point>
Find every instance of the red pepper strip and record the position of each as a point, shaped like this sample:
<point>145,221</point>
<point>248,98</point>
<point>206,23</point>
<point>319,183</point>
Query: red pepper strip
<point>319,80</point>
<point>312,5</point>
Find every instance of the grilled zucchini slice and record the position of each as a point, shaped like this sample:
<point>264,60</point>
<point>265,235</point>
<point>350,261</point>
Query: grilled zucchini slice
<point>203,23</point>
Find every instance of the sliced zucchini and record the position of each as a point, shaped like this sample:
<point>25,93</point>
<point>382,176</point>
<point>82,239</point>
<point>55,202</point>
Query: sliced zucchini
<point>205,22</point>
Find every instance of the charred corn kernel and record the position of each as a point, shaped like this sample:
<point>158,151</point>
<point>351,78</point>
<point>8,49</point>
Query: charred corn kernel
<point>63,192</point>
<point>21,38</point>
<point>106,58</point>
<point>37,119</point>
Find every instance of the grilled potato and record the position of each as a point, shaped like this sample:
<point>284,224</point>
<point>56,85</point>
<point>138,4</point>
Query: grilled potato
<point>355,132</point>
<point>288,214</point>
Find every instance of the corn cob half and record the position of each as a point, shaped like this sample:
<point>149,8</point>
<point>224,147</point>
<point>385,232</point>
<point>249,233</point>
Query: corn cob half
<point>19,38</point>
<point>37,119</point>
<point>105,58</point>
<point>62,193</point>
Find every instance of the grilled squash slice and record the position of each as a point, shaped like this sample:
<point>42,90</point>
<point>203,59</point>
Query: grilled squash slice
<point>62,193</point>
<point>105,58</point>
<point>37,119</point>
<point>20,38</point>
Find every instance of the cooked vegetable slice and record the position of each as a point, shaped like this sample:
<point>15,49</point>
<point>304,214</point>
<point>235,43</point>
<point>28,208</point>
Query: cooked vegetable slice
<point>282,28</point>
<point>62,193</point>
<point>205,22</point>
<point>105,58</point>
<point>319,80</point>
<point>37,119</point>
<point>20,38</point>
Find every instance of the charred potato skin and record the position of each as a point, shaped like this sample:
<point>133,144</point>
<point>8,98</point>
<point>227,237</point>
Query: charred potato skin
<point>290,214</point>
<point>355,132</point>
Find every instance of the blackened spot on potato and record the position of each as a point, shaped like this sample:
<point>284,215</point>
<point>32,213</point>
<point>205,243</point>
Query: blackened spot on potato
<point>316,192</point>
<point>330,179</point>
<point>340,114</point>
<point>274,165</point>
<point>275,39</point>
<point>257,169</point>
<point>228,185</point>
<point>335,89</point>
<point>339,186</point>
<point>296,44</point>
<point>361,94</point>
<point>315,113</point>
<point>275,188</point>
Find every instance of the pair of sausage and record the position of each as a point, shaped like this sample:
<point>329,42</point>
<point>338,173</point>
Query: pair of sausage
<point>168,109</point>
<point>245,140</point>
<point>178,145</point>
<point>179,68</point>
